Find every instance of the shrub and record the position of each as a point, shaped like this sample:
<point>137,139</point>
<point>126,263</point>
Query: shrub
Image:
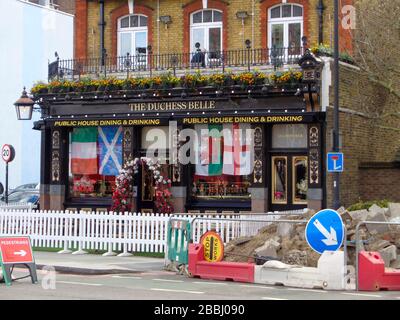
<point>367,204</point>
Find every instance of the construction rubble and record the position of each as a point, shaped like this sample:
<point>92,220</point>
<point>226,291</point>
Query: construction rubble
<point>286,242</point>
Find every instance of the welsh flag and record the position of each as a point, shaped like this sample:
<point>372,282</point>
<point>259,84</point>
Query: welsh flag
<point>238,146</point>
<point>84,151</point>
<point>209,162</point>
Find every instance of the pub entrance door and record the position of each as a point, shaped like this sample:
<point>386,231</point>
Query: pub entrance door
<point>288,181</point>
<point>146,193</point>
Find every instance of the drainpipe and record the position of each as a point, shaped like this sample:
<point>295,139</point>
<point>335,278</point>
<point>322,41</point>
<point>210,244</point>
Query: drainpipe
<point>102,25</point>
<point>158,28</point>
<point>253,12</point>
<point>320,10</point>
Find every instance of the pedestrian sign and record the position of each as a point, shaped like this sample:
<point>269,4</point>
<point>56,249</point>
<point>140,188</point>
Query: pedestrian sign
<point>335,162</point>
<point>325,231</point>
<point>16,251</point>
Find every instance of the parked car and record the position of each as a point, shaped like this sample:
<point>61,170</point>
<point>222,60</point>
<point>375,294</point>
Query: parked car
<point>30,196</point>
<point>28,186</point>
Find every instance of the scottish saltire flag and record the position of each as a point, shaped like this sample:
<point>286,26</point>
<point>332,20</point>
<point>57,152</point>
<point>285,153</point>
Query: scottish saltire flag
<point>110,150</point>
<point>209,153</point>
<point>238,150</point>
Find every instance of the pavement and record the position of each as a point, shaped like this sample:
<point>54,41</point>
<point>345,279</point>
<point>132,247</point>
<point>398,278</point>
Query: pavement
<point>88,277</point>
<point>92,264</point>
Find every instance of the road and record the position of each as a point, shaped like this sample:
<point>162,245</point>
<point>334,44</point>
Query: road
<point>162,285</point>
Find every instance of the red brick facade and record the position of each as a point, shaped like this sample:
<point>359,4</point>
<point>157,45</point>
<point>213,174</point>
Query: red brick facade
<point>80,29</point>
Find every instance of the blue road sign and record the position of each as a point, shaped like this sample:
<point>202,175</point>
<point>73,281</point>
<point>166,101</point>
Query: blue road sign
<point>325,231</point>
<point>335,162</point>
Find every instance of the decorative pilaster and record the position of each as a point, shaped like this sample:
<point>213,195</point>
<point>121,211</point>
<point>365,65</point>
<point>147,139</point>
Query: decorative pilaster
<point>127,145</point>
<point>55,157</point>
<point>315,191</point>
<point>258,156</point>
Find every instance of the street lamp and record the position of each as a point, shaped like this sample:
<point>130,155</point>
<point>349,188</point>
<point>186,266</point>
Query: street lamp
<point>24,106</point>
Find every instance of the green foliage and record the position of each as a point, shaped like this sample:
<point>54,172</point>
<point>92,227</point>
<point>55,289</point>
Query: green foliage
<point>367,204</point>
<point>167,80</point>
<point>326,50</point>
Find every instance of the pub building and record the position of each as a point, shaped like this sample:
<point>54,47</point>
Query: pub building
<point>86,140</point>
<point>88,134</point>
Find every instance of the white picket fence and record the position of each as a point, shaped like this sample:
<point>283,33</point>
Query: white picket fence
<point>128,232</point>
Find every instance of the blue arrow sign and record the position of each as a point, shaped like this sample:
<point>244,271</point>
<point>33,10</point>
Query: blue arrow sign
<point>325,231</point>
<point>335,162</point>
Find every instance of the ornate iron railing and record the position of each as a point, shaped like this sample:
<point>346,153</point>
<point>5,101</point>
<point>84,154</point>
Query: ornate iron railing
<point>174,62</point>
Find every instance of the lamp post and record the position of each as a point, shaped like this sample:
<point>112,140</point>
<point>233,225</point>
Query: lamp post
<point>248,47</point>
<point>336,175</point>
<point>24,106</point>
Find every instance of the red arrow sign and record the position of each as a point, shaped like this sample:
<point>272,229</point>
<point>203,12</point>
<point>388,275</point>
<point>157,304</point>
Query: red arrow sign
<point>16,250</point>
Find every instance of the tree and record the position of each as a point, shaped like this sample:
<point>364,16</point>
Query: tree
<point>377,46</point>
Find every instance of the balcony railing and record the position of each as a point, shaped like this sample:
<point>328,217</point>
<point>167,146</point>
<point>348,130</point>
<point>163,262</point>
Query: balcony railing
<point>149,63</point>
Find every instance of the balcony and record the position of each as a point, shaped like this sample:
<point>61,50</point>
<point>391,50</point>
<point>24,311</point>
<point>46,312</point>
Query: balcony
<point>147,64</point>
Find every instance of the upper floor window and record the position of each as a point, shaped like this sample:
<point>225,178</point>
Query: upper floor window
<point>286,29</point>
<point>206,31</point>
<point>132,37</point>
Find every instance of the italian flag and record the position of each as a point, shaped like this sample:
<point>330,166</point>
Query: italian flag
<point>84,151</point>
<point>209,162</point>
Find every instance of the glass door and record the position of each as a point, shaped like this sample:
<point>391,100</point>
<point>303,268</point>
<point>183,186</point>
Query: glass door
<point>288,183</point>
<point>141,49</point>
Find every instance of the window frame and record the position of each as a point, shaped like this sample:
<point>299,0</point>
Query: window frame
<point>294,200</point>
<point>206,26</point>
<point>273,201</point>
<point>132,31</point>
<point>286,21</point>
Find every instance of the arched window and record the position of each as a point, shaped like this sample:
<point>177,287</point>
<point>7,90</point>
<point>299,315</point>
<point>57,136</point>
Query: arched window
<point>132,35</point>
<point>285,25</point>
<point>206,29</point>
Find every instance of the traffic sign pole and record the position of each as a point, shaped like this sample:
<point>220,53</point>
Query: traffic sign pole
<point>336,175</point>
<point>6,195</point>
<point>8,154</point>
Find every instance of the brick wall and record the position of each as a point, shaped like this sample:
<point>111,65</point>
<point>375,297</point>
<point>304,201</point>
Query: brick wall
<point>384,183</point>
<point>172,39</point>
<point>364,139</point>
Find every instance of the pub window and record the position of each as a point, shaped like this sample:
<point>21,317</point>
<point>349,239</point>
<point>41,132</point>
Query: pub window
<point>289,136</point>
<point>132,38</point>
<point>279,180</point>
<point>299,176</point>
<point>286,28</point>
<point>95,159</point>
<point>206,29</point>
<point>224,162</point>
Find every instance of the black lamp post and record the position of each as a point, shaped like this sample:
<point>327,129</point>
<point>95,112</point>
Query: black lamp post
<point>336,175</point>
<point>24,106</point>
<point>248,47</point>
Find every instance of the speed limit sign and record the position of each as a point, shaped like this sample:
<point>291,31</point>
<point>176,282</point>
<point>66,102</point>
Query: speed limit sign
<point>7,153</point>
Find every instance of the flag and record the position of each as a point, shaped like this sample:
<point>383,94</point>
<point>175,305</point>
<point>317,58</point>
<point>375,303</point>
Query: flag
<point>110,150</point>
<point>238,150</point>
<point>209,155</point>
<point>84,151</point>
